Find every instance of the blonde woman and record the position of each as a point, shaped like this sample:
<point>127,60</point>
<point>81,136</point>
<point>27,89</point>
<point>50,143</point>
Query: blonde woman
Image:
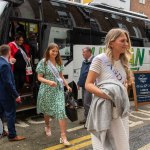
<point>50,99</point>
<point>107,79</point>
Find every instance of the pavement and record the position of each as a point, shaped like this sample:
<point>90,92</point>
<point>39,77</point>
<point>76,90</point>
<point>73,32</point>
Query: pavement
<point>32,127</point>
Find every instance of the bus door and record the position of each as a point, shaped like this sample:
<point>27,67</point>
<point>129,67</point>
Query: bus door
<point>62,37</point>
<point>30,29</point>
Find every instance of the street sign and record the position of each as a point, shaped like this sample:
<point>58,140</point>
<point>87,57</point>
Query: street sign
<point>141,88</point>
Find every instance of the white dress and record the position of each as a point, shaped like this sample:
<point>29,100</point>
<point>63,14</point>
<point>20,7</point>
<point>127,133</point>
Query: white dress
<point>119,129</point>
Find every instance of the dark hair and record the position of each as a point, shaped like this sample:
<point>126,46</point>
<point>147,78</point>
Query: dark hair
<point>47,56</point>
<point>18,36</point>
<point>4,49</point>
<point>88,49</point>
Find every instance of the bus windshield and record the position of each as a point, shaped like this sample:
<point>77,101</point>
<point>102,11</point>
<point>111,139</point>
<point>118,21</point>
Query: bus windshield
<point>2,6</point>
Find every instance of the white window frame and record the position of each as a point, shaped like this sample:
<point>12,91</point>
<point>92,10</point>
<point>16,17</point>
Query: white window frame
<point>142,1</point>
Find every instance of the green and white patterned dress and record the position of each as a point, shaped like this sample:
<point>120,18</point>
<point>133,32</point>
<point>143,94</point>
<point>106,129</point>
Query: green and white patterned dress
<point>50,100</point>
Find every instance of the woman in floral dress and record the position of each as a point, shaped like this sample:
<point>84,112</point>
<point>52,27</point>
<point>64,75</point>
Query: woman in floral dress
<point>50,99</point>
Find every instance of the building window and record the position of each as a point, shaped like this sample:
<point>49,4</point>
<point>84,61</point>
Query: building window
<point>141,12</point>
<point>142,1</point>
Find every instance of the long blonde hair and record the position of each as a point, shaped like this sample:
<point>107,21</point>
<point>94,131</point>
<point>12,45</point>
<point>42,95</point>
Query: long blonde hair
<point>47,56</point>
<point>111,36</point>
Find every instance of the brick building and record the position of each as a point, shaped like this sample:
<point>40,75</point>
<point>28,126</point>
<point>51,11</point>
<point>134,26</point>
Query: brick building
<point>141,6</point>
<point>120,4</point>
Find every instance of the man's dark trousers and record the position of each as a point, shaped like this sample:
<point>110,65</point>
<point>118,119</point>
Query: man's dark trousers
<point>10,114</point>
<point>87,98</point>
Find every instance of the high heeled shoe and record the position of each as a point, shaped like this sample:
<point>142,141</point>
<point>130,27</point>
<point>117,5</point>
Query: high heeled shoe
<point>65,142</point>
<point>48,131</point>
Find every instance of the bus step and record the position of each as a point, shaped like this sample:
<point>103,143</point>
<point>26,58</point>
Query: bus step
<point>26,108</point>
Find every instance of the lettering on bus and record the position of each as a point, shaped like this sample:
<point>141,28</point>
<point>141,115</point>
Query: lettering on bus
<point>137,58</point>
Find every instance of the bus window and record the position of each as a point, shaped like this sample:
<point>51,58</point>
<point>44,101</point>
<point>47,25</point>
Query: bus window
<point>61,36</point>
<point>123,26</point>
<point>114,16</point>
<point>129,19</point>
<point>29,10</point>
<point>3,5</point>
<point>65,18</point>
<point>147,26</point>
<point>61,15</point>
<point>95,25</point>
<point>97,17</point>
<point>16,27</point>
<point>136,42</point>
<point>137,32</point>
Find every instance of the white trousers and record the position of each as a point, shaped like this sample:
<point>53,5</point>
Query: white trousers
<point>119,131</point>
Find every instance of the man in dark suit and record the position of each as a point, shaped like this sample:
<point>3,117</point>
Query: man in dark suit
<point>86,96</point>
<point>8,94</point>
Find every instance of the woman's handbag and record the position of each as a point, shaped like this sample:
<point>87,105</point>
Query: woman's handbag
<point>69,99</point>
<point>71,107</point>
<point>71,113</point>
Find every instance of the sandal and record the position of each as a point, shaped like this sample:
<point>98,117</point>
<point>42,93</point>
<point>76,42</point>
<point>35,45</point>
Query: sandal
<point>48,131</point>
<point>63,140</point>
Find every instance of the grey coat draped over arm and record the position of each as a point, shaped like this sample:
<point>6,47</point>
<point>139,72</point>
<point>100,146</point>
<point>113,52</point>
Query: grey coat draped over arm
<point>101,110</point>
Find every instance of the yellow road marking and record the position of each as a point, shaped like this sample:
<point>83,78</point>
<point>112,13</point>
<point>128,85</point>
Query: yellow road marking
<point>79,146</point>
<point>87,137</point>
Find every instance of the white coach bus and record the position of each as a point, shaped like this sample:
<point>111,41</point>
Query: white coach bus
<point>72,26</point>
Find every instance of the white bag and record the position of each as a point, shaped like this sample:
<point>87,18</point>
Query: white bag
<point>29,69</point>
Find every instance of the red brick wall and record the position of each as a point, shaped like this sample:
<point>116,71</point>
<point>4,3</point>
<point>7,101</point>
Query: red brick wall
<point>138,7</point>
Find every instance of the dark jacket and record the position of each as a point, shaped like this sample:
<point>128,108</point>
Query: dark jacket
<point>84,71</point>
<point>7,83</point>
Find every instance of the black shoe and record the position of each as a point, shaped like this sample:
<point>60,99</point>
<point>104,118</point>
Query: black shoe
<point>83,121</point>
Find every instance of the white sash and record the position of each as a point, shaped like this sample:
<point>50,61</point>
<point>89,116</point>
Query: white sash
<point>25,57</point>
<point>56,74</point>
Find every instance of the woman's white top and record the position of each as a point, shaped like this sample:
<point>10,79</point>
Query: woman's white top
<point>102,65</point>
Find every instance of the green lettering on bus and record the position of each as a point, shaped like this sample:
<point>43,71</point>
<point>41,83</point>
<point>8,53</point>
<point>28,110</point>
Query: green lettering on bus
<point>139,57</point>
<point>132,57</point>
<point>93,50</point>
<point>102,50</point>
